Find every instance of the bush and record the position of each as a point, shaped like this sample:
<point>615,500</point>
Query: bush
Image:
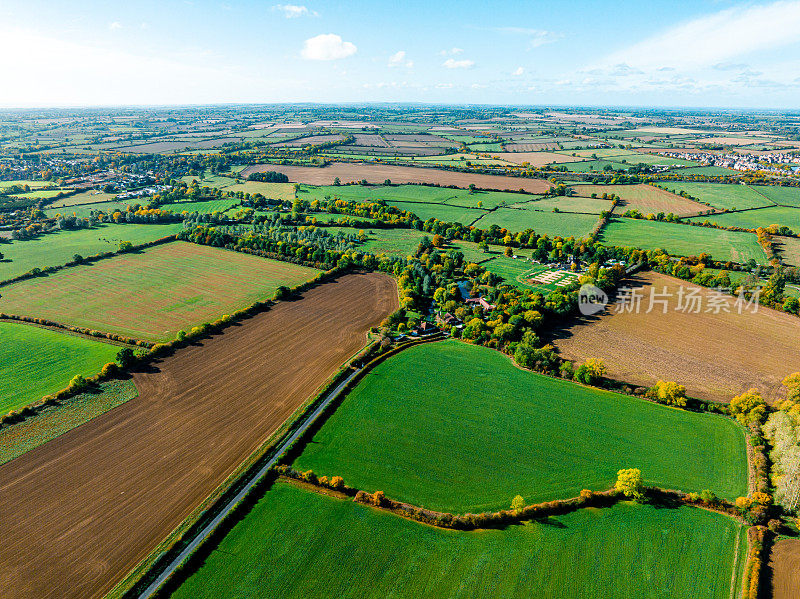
<point>126,357</point>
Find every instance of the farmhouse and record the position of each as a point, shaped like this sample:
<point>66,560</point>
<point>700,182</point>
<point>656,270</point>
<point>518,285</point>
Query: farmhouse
<point>480,301</point>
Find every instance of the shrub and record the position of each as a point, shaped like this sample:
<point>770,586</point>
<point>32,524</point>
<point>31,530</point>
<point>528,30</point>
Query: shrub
<point>78,383</point>
<point>518,503</point>
<point>126,357</point>
<point>630,483</point>
<point>337,482</point>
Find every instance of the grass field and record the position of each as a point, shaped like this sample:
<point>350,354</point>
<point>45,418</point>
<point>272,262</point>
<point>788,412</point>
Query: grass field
<point>35,362</point>
<point>567,204</point>
<point>58,248</point>
<point>516,271</point>
<point>154,293</point>
<point>91,196</point>
<point>486,431</point>
<point>683,240</point>
<point>277,191</point>
<point>297,543</point>
<point>752,219</point>
<point>720,195</point>
<point>23,182</point>
<point>785,196</point>
<point>205,206</point>
<point>789,248</point>
<point>85,210</point>
<point>56,420</point>
<point>550,223</point>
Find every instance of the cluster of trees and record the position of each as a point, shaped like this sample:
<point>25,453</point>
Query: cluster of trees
<point>268,177</point>
<point>670,217</point>
<point>782,428</point>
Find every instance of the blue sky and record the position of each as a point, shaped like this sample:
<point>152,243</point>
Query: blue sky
<point>658,53</point>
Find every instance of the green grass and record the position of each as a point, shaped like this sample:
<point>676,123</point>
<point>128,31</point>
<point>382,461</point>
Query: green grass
<point>154,293</point>
<point>56,420</point>
<point>23,182</point>
<point>55,249</point>
<point>85,210</point>
<point>720,195</point>
<point>568,204</point>
<point>684,240</point>
<point>785,196</point>
<point>752,219</point>
<point>91,196</point>
<point>484,431</point>
<point>35,362</point>
<point>708,171</point>
<point>550,223</point>
<point>205,206</point>
<point>516,271</point>
<point>296,543</point>
<point>442,212</point>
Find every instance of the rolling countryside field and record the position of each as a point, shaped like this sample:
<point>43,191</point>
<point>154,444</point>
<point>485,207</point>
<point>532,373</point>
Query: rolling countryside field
<point>301,544</point>
<point>475,410</point>
<point>725,197</point>
<point>86,504</point>
<point>155,293</point>
<point>35,361</point>
<point>647,199</point>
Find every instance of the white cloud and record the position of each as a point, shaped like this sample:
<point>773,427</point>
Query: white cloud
<point>444,86</point>
<point>519,72</point>
<point>536,37</point>
<point>327,46</point>
<point>452,63</point>
<point>451,51</point>
<point>398,59</point>
<point>716,38</point>
<point>115,25</point>
<point>292,11</point>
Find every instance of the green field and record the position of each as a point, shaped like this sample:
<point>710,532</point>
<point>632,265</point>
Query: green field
<point>785,196</point>
<point>55,249</point>
<point>23,182</point>
<point>35,362</point>
<point>550,223</point>
<point>516,271</point>
<point>568,204</point>
<point>277,191</point>
<point>84,210</point>
<point>683,240</point>
<point>485,431</point>
<point>720,195</point>
<point>296,543</point>
<point>92,196</point>
<point>154,293</point>
<point>412,193</point>
<point>395,242</point>
<point>752,219</point>
<point>204,206</point>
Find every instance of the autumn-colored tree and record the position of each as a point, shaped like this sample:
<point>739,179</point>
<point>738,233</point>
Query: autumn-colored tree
<point>518,503</point>
<point>749,407</point>
<point>590,372</point>
<point>668,392</point>
<point>509,251</point>
<point>337,482</point>
<point>630,483</point>
<point>792,384</point>
<point>438,241</point>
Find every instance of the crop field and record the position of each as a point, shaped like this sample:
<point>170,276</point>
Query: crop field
<point>522,273</point>
<point>84,210</point>
<point>647,199</point>
<point>378,173</point>
<point>706,171</point>
<point>295,541</point>
<point>30,183</point>
<point>473,410</point>
<point>729,352</point>
<point>79,504</point>
<point>394,242</point>
<point>752,219</point>
<point>276,191</point>
<point>785,565</point>
<point>550,223</point>
<point>533,158</point>
<point>684,240</point>
<point>155,293</point>
<point>58,248</point>
<point>35,361</point>
<point>719,195</point>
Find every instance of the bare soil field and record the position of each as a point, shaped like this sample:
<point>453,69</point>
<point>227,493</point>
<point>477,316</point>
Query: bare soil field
<point>80,511</point>
<point>716,356</point>
<point>785,564</point>
<point>314,139</point>
<point>378,173</point>
<point>644,198</point>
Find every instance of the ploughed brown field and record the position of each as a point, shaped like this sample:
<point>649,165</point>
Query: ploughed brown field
<point>785,564</point>
<point>80,511</point>
<point>378,173</point>
<point>716,356</point>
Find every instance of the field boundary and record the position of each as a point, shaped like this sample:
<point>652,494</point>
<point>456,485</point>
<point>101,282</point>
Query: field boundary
<point>215,512</point>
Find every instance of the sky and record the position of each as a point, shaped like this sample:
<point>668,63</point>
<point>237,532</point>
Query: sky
<point>662,53</point>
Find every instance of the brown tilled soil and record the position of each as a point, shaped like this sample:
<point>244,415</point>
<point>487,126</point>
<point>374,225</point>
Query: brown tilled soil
<point>378,173</point>
<point>80,511</point>
<point>716,356</point>
<point>785,564</point>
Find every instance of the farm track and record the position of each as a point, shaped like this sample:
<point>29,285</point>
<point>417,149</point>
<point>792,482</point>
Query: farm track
<point>83,509</point>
